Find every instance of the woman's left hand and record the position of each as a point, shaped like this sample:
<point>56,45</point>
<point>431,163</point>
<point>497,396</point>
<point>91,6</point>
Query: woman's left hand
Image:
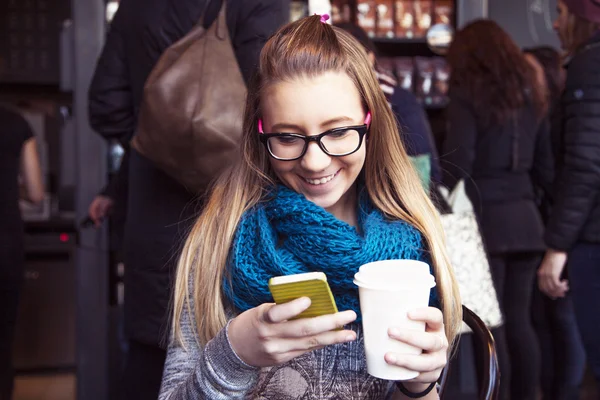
<point>433,341</point>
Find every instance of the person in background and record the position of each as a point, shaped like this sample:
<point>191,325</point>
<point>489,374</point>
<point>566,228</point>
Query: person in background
<point>308,184</point>
<point>573,231</point>
<point>563,356</point>
<point>18,158</point>
<point>497,145</point>
<point>412,119</point>
<point>159,209</point>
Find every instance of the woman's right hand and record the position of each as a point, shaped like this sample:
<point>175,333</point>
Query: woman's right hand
<point>265,336</point>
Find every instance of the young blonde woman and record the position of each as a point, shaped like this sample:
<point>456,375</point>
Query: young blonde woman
<point>323,184</point>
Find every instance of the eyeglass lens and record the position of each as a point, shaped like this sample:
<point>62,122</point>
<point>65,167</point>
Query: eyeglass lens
<point>335,144</point>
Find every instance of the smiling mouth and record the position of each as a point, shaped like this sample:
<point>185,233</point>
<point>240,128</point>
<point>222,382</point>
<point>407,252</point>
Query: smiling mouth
<point>321,181</point>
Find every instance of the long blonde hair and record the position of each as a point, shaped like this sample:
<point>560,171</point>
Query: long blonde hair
<point>305,48</point>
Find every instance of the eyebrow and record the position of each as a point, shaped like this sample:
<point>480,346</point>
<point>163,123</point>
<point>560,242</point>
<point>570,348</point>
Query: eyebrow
<point>283,126</point>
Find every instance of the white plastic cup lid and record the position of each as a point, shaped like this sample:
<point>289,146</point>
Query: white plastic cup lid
<point>394,274</point>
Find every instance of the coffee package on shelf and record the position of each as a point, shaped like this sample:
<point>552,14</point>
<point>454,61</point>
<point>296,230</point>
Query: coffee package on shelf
<point>442,79</point>
<point>422,12</point>
<point>405,72</point>
<point>298,10</point>
<point>404,19</point>
<point>425,78</point>
<point>385,19</point>
<point>366,14</point>
<point>340,11</point>
<point>443,12</point>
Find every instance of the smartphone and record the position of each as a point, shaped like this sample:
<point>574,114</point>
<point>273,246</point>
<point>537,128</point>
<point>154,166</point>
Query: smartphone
<point>311,284</point>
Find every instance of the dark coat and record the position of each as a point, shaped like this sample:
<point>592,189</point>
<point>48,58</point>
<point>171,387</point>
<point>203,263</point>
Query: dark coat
<point>500,164</point>
<point>160,211</point>
<point>575,213</point>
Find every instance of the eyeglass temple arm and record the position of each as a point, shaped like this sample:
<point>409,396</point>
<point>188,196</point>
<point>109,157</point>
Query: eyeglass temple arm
<point>367,122</point>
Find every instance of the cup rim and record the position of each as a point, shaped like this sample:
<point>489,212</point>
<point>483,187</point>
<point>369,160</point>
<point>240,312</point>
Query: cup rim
<point>407,260</point>
<point>424,278</point>
<point>361,284</point>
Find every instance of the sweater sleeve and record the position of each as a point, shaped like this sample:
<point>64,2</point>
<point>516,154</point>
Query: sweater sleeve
<point>214,372</point>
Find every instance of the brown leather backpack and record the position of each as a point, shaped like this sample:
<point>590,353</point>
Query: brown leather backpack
<point>190,120</point>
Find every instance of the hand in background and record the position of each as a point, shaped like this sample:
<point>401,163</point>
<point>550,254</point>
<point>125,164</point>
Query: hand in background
<point>266,336</point>
<point>100,208</point>
<point>550,272</point>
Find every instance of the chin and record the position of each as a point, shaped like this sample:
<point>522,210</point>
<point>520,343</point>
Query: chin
<point>324,201</point>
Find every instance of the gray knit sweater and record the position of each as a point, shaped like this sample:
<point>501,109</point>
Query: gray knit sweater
<point>215,372</point>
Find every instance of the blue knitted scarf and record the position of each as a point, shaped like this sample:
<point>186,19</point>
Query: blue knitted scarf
<point>289,235</point>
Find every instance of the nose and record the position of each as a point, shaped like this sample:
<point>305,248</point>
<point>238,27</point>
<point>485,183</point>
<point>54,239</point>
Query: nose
<point>315,159</point>
<point>555,24</point>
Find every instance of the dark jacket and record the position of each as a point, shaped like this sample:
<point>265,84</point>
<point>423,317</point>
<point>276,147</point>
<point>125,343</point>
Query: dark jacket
<point>160,211</point>
<point>500,164</point>
<point>575,213</point>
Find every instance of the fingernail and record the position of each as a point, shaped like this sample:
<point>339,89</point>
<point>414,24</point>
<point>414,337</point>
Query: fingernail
<point>305,302</point>
<point>392,358</point>
<point>350,338</point>
<point>394,332</point>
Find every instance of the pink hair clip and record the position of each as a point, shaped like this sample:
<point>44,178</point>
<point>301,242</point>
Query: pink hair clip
<point>324,18</point>
<point>260,128</point>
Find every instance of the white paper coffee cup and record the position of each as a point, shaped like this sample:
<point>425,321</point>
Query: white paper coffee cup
<point>388,290</point>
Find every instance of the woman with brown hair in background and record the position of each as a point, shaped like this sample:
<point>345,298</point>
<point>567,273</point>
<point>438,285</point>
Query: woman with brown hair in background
<point>495,113</point>
<point>573,232</point>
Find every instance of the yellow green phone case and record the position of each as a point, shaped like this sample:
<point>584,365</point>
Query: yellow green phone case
<point>312,284</point>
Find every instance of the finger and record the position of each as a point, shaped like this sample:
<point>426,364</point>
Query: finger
<point>429,342</point>
<point>432,316</point>
<point>275,313</point>
<point>426,362</point>
<point>313,326</point>
<point>555,282</point>
<point>562,290</point>
<point>318,341</point>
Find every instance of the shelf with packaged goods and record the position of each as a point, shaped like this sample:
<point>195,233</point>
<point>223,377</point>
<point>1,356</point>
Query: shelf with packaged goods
<point>399,41</point>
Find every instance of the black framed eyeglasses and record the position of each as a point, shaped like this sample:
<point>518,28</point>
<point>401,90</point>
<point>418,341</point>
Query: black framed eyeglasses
<point>337,142</point>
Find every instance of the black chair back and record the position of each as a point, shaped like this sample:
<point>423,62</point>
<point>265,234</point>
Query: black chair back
<point>485,349</point>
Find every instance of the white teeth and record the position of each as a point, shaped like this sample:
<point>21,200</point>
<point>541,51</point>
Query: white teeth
<point>320,181</point>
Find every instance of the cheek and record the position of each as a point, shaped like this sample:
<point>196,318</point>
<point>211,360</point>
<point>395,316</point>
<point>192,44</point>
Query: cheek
<point>356,161</point>
<point>281,167</point>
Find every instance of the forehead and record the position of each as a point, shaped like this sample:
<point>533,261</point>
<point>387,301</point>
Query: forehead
<point>307,101</point>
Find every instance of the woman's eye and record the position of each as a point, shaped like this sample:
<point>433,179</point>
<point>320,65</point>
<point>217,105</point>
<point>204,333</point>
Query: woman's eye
<point>287,140</point>
<point>338,134</point>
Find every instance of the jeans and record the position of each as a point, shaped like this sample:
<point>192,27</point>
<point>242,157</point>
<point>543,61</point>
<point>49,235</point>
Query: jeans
<point>563,356</point>
<point>584,281</point>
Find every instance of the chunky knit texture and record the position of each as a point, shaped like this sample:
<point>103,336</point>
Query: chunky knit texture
<point>290,234</point>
